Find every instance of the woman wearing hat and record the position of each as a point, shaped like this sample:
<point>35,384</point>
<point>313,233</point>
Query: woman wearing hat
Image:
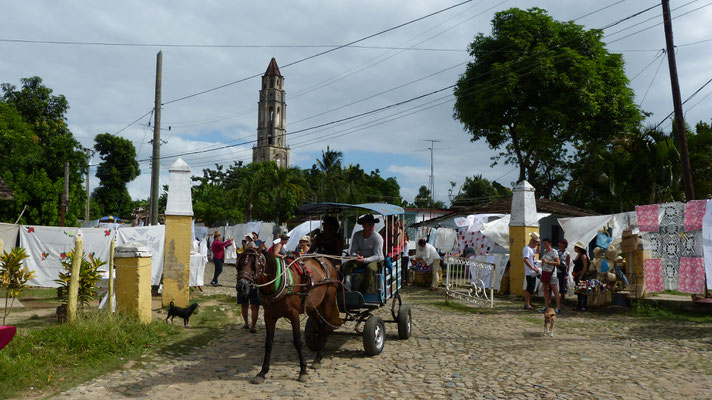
<point>580,268</point>
<point>218,249</point>
<point>303,245</point>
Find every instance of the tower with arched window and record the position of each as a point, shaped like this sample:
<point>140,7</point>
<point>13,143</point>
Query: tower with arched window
<point>271,119</point>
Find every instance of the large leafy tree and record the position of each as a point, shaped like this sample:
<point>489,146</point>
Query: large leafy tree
<point>478,190</point>
<point>118,167</point>
<point>538,87</point>
<point>424,199</point>
<point>640,167</point>
<point>210,203</point>
<point>36,143</point>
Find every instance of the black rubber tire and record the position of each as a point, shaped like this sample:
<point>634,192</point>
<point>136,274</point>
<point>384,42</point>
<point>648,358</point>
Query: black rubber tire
<point>374,336</point>
<point>311,335</point>
<point>404,322</point>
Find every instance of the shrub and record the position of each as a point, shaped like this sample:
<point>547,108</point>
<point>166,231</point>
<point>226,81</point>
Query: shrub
<point>13,275</point>
<point>89,276</point>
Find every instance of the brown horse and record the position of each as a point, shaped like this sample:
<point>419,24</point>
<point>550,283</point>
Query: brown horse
<point>287,294</point>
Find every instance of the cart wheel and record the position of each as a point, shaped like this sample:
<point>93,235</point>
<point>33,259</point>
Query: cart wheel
<point>374,336</point>
<point>311,334</point>
<point>404,322</point>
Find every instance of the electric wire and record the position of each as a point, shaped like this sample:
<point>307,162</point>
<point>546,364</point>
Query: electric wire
<point>320,53</point>
<point>651,81</point>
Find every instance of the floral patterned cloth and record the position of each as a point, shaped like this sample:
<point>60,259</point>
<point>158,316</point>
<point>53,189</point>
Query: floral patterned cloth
<point>694,213</point>
<point>670,244</point>
<point>692,275</point>
<point>654,275</point>
<point>648,218</point>
<point>476,240</point>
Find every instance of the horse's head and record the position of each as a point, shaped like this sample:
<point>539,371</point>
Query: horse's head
<point>250,270</point>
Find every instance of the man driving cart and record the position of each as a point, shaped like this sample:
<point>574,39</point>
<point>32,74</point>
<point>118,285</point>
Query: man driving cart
<point>367,247</point>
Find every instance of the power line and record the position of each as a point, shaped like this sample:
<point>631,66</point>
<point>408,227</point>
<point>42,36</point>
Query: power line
<point>219,46</point>
<point>321,53</point>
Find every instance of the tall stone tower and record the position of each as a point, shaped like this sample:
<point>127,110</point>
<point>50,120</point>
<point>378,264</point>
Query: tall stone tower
<point>271,138</point>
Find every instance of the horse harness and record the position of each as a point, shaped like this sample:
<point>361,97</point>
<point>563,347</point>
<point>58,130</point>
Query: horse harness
<point>283,280</point>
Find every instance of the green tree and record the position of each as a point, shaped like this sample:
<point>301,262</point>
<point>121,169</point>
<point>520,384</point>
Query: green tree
<point>36,143</point>
<point>210,203</point>
<point>425,200</point>
<point>118,167</point>
<point>478,190</point>
<point>640,167</point>
<point>538,87</point>
<point>330,160</point>
<point>699,145</point>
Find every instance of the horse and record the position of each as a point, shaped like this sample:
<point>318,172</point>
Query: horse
<point>286,293</point>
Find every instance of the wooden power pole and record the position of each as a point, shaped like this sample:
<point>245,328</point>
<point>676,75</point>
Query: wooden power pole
<point>65,195</point>
<point>88,152</point>
<point>677,103</point>
<point>155,159</point>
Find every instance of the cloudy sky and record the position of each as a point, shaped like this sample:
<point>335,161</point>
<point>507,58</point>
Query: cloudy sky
<point>109,79</point>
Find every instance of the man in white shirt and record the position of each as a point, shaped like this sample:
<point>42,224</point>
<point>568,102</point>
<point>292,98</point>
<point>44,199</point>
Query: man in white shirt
<point>367,247</point>
<point>530,268</point>
<point>430,257</point>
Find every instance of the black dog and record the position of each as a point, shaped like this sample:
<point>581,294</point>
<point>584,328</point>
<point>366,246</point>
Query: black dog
<point>184,313</point>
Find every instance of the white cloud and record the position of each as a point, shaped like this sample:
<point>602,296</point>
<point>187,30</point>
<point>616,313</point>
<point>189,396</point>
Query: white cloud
<point>108,87</point>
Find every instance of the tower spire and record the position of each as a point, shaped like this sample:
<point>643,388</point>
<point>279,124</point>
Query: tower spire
<point>271,119</point>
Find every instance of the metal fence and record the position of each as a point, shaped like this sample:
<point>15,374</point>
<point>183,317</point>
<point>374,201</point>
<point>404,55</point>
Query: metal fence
<point>469,280</point>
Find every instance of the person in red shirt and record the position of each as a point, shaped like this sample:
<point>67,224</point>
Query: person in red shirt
<point>218,249</point>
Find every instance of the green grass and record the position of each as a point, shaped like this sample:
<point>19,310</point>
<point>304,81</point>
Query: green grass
<point>49,357</point>
<point>646,310</point>
<point>60,356</point>
<point>459,307</point>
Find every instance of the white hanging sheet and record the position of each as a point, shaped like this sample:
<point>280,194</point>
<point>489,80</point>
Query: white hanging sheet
<point>446,240</point>
<point>707,242</point>
<point>300,231</point>
<point>267,232</point>
<point>153,237</point>
<point>498,230</point>
<point>582,229</point>
<point>8,234</point>
<point>197,269</point>
<point>47,246</point>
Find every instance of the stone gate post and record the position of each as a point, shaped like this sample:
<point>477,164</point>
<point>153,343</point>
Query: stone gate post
<point>523,222</point>
<point>179,214</point>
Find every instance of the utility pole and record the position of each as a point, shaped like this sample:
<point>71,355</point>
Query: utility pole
<point>155,159</point>
<point>65,195</point>
<point>431,179</point>
<point>677,103</point>
<point>88,151</point>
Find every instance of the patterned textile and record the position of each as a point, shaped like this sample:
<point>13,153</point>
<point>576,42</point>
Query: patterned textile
<point>672,243</point>
<point>692,275</point>
<point>694,213</point>
<point>653,275</point>
<point>476,240</point>
<point>648,218</point>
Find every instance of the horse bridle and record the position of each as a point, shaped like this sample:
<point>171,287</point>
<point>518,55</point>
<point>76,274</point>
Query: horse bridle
<point>260,263</point>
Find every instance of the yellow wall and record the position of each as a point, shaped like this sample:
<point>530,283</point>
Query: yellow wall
<point>176,264</point>
<point>133,286</point>
<point>518,238</point>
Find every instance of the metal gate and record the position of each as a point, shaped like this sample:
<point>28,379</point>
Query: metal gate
<point>469,280</point>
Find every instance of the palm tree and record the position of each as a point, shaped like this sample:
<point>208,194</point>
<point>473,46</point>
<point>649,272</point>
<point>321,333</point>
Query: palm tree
<point>330,160</point>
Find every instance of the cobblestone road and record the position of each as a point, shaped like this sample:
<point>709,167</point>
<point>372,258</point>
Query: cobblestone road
<point>452,354</point>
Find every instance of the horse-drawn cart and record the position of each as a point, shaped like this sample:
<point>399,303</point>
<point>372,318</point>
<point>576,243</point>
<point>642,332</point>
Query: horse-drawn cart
<point>312,283</point>
<point>359,306</point>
